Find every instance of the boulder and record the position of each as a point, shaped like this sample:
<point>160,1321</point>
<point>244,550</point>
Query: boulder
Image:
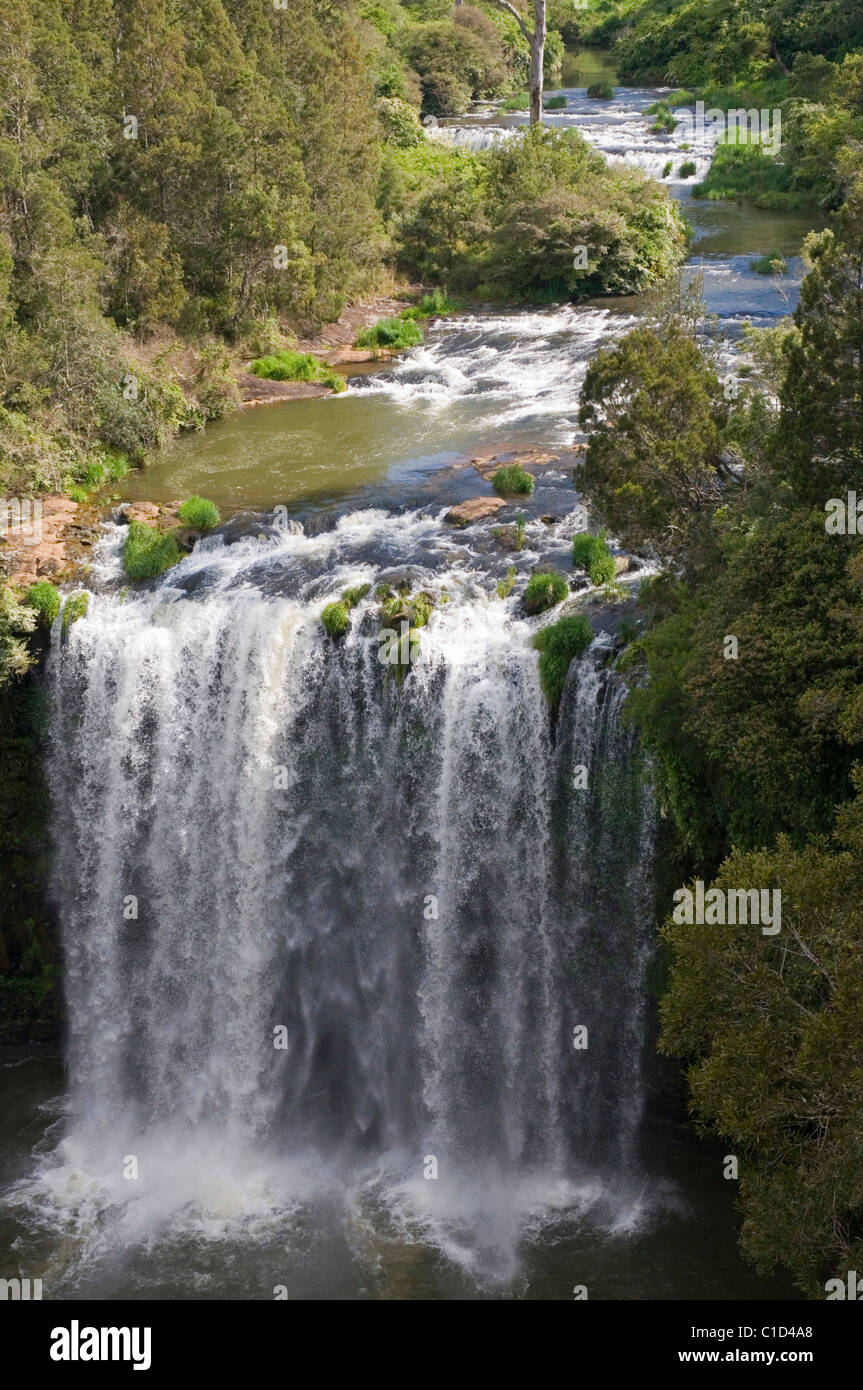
<point>466,513</point>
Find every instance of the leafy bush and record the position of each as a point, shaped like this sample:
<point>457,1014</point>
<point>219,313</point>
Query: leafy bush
<point>591,553</point>
<point>558,644</point>
<point>503,221</point>
<point>400,122</point>
<point>199,513</point>
<point>602,91</point>
<point>458,60</point>
<point>512,480</point>
<point>296,366</point>
<point>148,552</point>
<point>555,103</point>
<point>16,621</point>
<point>544,591</point>
<point>687,168</point>
<point>396,334</point>
<point>45,599</point>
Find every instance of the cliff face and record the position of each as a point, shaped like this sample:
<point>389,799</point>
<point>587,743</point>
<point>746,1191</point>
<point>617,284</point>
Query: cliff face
<point>29,993</point>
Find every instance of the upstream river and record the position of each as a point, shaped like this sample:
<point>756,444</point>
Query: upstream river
<point>174,1152</point>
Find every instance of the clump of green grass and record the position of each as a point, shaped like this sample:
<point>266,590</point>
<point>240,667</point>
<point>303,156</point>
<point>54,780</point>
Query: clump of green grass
<point>148,552</point>
<point>335,619</point>
<point>352,596</point>
<point>106,468</point>
<point>286,365</point>
<point>544,591</point>
<point>520,523</point>
<point>665,121</point>
<point>591,553</point>
<point>511,480</point>
<point>667,168</point>
<point>397,334</point>
<point>687,168</point>
<point>555,103</point>
<point>432,306</point>
<point>335,615</point>
<point>45,598</point>
<point>601,90</point>
<point>506,586</point>
<point>519,102</point>
<point>74,608</point>
<point>774,263</point>
<point>558,644</point>
<point>199,513</point>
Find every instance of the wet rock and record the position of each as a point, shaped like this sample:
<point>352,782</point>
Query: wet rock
<point>466,513</point>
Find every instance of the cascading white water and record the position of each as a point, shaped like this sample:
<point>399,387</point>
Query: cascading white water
<point>402,877</point>
<point>620,129</point>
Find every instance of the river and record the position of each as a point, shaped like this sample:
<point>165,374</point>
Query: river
<point>331,1049</point>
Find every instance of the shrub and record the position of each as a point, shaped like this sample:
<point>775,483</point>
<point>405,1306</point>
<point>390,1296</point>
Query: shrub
<point>148,552</point>
<point>544,591</point>
<point>401,124</point>
<point>773,263</point>
<point>603,91</point>
<point>555,103</point>
<point>296,366</point>
<point>397,333</point>
<point>687,169</point>
<point>198,513</point>
<point>519,102</point>
<point>591,553</point>
<point>513,479</point>
<point>335,619</point>
<point>558,644</point>
<point>45,599</point>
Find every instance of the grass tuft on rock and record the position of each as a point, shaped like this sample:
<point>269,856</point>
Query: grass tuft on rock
<point>296,366</point>
<point>395,334</point>
<point>558,644</point>
<point>591,553</point>
<point>335,619</point>
<point>74,608</point>
<point>774,263</point>
<point>512,480</point>
<point>147,552</point>
<point>199,513</point>
<point>544,591</point>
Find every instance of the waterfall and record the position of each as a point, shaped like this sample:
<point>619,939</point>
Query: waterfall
<point>258,829</point>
